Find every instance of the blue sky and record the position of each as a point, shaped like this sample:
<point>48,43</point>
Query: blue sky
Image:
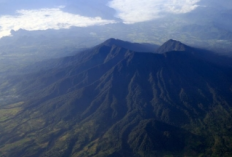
<point>63,14</point>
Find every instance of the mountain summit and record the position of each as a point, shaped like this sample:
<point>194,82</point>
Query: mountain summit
<point>116,42</point>
<point>137,47</point>
<point>113,102</point>
<point>173,45</point>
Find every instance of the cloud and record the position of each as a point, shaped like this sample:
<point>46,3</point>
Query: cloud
<point>47,18</point>
<point>132,11</point>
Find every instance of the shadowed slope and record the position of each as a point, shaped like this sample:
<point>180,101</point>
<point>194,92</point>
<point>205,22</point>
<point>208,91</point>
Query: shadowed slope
<point>111,101</point>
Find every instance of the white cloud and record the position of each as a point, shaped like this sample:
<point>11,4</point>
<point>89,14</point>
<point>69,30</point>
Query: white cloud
<point>42,19</point>
<point>132,11</point>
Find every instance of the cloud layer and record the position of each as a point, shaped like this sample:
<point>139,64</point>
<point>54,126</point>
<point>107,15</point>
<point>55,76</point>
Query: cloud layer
<point>47,18</point>
<point>132,11</point>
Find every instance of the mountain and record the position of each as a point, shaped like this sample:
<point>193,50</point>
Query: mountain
<point>110,101</point>
<point>138,47</point>
<point>202,54</point>
<point>173,45</point>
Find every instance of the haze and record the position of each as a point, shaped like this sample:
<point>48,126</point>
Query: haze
<point>60,27</point>
<point>115,78</point>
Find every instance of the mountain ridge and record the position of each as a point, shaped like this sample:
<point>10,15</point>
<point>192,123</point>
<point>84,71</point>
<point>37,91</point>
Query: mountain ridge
<point>138,47</point>
<point>173,45</point>
<point>111,101</point>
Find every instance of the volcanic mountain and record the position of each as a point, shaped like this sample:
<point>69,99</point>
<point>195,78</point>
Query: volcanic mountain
<point>173,45</point>
<point>111,101</point>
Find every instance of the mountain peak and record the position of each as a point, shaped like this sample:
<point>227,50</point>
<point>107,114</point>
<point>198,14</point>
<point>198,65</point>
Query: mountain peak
<point>173,41</point>
<point>172,45</point>
<point>138,47</point>
<point>113,41</point>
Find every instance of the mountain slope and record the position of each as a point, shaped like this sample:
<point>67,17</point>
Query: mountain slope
<point>173,45</point>
<point>111,101</point>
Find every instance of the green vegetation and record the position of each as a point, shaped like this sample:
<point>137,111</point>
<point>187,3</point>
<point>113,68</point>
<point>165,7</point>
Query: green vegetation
<point>10,111</point>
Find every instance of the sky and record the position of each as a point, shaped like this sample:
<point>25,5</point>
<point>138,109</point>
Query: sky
<point>204,23</point>
<point>62,14</point>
